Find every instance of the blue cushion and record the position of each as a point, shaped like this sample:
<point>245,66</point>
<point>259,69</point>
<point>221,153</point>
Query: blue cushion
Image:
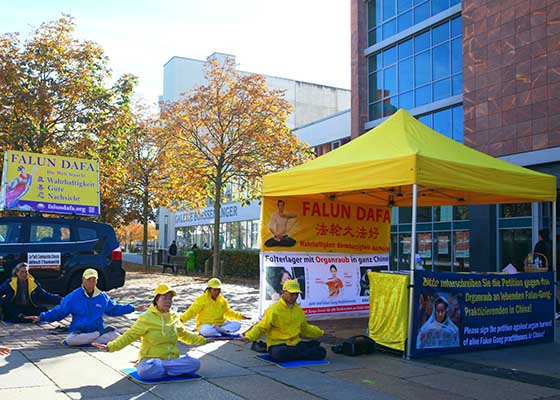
<point>133,374</point>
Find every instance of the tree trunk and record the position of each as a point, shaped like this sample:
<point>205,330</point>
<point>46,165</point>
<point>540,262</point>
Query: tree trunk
<point>217,205</point>
<point>145,233</point>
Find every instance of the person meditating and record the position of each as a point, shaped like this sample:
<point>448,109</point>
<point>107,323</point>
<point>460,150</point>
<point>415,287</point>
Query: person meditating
<point>87,305</point>
<point>159,328</point>
<point>278,226</point>
<point>22,295</point>
<point>284,323</point>
<point>213,313</point>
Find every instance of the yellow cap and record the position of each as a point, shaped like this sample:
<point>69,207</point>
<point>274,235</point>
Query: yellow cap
<point>90,273</point>
<point>164,288</point>
<point>215,283</point>
<point>291,286</point>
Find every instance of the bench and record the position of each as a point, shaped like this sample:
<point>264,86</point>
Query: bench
<point>175,263</point>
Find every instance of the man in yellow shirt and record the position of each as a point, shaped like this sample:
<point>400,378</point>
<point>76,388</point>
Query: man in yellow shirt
<point>283,324</point>
<point>213,313</point>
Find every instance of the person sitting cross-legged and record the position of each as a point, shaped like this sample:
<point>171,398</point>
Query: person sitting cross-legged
<point>87,305</point>
<point>284,323</point>
<point>22,295</point>
<point>160,329</point>
<point>213,313</point>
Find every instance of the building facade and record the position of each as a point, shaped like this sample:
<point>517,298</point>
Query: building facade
<point>314,105</point>
<point>483,72</point>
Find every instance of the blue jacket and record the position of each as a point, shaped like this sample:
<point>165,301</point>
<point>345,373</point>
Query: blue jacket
<point>87,312</point>
<point>37,294</point>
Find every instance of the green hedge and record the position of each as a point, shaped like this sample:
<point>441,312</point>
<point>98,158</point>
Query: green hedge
<point>242,263</point>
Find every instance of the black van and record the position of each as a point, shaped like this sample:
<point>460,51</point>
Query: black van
<point>58,250</point>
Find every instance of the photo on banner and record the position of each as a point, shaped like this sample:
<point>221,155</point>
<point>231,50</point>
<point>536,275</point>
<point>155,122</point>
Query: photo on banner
<point>456,312</point>
<point>330,283</point>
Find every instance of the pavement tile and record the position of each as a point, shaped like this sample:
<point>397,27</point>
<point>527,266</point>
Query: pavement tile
<point>233,352</point>
<point>394,386</point>
<point>17,372</point>
<point>33,393</point>
<point>257,387</point>
<point>213,367</point>
<point>322,385</point>
<point>82,376</point>
<point>482,387</point>
<point>192,390</point>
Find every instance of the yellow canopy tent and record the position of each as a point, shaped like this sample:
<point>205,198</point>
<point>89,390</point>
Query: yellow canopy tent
<point>381,166</point>
<point>402,162</point>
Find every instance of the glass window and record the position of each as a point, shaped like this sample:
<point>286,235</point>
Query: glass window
<point>440,33</point>
<point>442,251</point>
<point>406,76</point>
<point>87,233</point>
<point>442,122</point>
<point>389,28</point>
<point>443,213</point>
<point>422,41</point>
<point>403,5</point>
<point>394,257</point>
<point>405,49</point>
<point>375,87</point>
<point>49,233</point>
<point>456,27</point>
<point>426,120</point>
<point>390,56</point>
<point>462,251</point>
<point>10,232</point>
<point>515,210</point>
<point>458,124</point>
<point>390,81</point>
<point>424,249</point>
<point>375,111</point>
<point>388,9</point>
<point>422,12</point>
<point>440,59</point>
<point>374,62</point>
<point>461,213</point>
<point>515,244</point>
<point>404,251</point>
<point>424,214</point>
<point>422,70</point>
<point>390,106</point>
<point>405,21</point>
<point>456,55</point>
<point>439,6</point>
<point>423,95</point>
<point>406,100</point>
<point>442,89</point>
<point>457,84</point>
<point>405,215</point>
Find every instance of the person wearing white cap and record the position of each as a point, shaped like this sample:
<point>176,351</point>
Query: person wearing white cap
<point>284,323</point>
<point>87,305</point>
<point>213,313</point>
<point>160,329</point>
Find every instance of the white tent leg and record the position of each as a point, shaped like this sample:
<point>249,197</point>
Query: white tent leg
<point>412,262</point>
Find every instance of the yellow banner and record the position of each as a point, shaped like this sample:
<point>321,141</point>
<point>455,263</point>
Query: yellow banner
<point>47,183</point>
<point>310,225</point>
<point>388,307</point>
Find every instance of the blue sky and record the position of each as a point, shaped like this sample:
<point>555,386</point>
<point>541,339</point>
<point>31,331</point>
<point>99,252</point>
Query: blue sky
<point>308,40</point>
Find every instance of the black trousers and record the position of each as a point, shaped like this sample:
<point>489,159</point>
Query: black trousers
<point>311,350</point>
<point>15,313</point>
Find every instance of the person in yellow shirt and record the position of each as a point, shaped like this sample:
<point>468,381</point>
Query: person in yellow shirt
<point>284,323</point>
<point>212,312</point>
<point>159,328</point>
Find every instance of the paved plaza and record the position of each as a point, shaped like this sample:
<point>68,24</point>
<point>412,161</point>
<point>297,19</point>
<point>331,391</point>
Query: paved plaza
<point>40,367</point>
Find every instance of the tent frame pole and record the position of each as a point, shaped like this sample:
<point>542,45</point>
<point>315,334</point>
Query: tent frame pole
<point>412,266</point>
<point>554,267</point>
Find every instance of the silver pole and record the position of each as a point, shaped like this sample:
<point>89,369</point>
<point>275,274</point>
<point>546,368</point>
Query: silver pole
<point>412,261</point>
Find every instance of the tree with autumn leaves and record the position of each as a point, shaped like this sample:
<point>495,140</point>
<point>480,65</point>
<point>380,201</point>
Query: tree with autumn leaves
<point>231,130</point>
<point>54,99</point>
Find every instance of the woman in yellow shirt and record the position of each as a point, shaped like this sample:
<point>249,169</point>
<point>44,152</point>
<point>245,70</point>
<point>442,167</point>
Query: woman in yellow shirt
<point>159,328</point>
<point>212,312</point>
